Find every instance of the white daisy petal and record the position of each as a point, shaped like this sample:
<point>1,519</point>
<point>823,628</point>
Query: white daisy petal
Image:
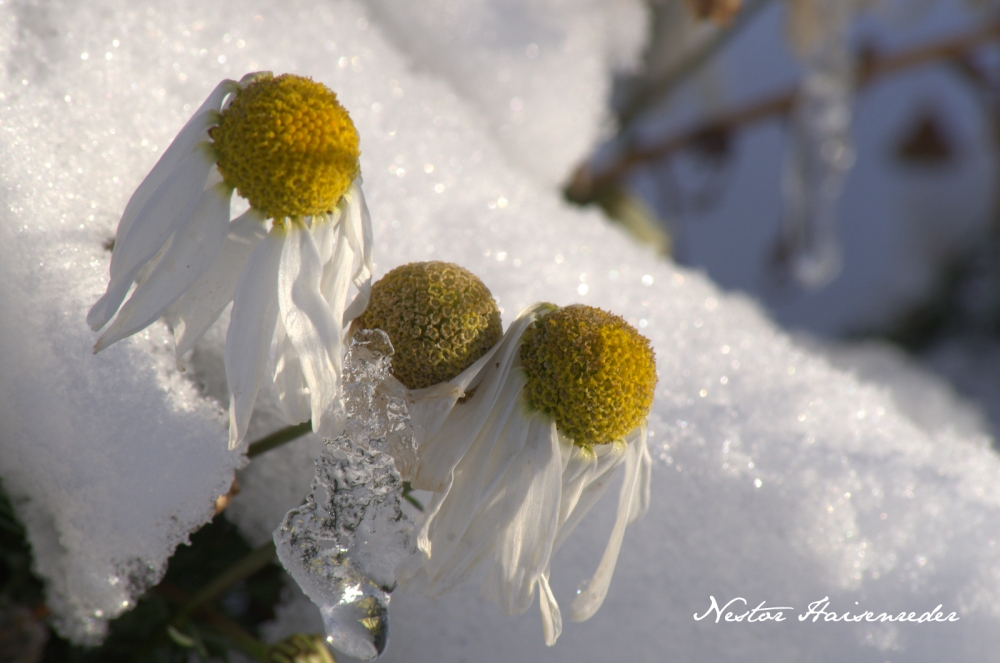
<point>446,520</point>
<point>530,513</point>
<point>551,616</point>
<point>289,381</point>
<point>359,226</point>
<point>465,530</point>
<point>325,228</point>
<point>168,206</point>
<point>640,496</point>
<point>336,279</point>
<point>586,477</point>
<point>251,328</point>
<point>199,307</point>
<point>429,407</point>
<point>446,442</point>
<point>192,251</point>
<point>589,601</point>
<point>312,327</point>
<point>189,136</point>
<point>252,76</point>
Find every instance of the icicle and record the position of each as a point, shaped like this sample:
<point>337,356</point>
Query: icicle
<point>344,544</point>
<point>820,150</point>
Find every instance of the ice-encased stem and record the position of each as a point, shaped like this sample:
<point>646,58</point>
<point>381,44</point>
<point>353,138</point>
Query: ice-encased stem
<point>343,545</point>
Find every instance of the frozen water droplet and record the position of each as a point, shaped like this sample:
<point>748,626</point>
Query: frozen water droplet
<point>344,544</point>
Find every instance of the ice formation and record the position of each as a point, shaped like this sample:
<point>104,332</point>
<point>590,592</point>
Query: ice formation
<point>821,150</point>
<point>777,477</point>
<point>343,545</point>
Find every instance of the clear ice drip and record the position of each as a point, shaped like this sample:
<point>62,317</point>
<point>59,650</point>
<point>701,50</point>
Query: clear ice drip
<point>343,545</point>
<point>821,152</point>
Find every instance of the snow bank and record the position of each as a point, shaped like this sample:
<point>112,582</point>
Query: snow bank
<point>778,478</point>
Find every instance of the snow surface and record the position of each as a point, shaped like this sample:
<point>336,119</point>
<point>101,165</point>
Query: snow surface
<point>778,477</point>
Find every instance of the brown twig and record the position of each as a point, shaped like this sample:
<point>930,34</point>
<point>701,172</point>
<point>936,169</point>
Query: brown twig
<point>587,186</point>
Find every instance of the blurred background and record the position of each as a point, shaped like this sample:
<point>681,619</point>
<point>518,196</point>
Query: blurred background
<point>836,160</point>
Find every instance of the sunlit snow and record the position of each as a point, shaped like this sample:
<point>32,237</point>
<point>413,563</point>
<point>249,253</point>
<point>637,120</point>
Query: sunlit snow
<point>777,477</point>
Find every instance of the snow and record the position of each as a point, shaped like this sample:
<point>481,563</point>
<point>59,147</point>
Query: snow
<point>778,477</point>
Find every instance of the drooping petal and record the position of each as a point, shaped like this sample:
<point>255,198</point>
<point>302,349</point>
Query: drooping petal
<point>590,599</point>
<point>587,473</point>
<point>182,145</point>
<point>359,232</point>
<point>429,407</point>
<point>640,497</point>
<point>193,249</point>
<point>336,279</point>
<point>325,228</point>
<point>446,442</point>
<point>551,616</point>
<point>465,530</point>
<point>313,328</point>
<point>476,480</point>
<point>530,514</point>
<point>251,328</point>
<point>168,206</point>
<point>199,307</point>
<point>290,383</point>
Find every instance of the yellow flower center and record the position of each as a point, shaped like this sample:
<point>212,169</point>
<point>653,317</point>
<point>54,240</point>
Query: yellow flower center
<point>287,146</point>
<point>440,318</point>
<point>590,370</point>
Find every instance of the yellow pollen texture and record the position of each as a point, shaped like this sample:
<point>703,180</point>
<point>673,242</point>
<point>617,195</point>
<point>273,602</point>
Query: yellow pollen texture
<point>440,318</point>
<point>287,146</point>
<point>592,371</point>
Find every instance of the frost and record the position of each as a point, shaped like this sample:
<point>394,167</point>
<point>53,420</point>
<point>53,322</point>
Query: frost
<point>344,544</point>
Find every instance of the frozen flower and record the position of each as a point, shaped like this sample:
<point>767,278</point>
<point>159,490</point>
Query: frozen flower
<point>558,405</point>
<point>443,324</point>
<point>288,147</point>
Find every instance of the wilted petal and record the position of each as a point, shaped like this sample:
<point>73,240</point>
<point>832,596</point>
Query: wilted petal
<point>251,328</point>
<point>551,616</point>
<point>587,473</point>
<point>358,224</point>
<point>336,279</point>
<point>158,219</point>
<point>465,530</point>
<point>190,135</point>
<point>289,380</point>
<point>588,601</point>
<point>325,228</point>
<point>312,328</point>
<point>530,514</point>
<point>445,443</point>
<point>199,307</point>
<point>640,496</point>
<point>192,250</point>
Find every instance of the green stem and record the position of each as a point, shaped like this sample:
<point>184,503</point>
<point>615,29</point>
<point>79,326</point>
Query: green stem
<point>216,622</point>
<point>241,570</point>
<point>407,495</point>
<point>277,438</point>
<point>235,634</point>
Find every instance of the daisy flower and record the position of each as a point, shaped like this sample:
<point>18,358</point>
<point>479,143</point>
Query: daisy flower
<point>288,147</point>
<point>557,406</point>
